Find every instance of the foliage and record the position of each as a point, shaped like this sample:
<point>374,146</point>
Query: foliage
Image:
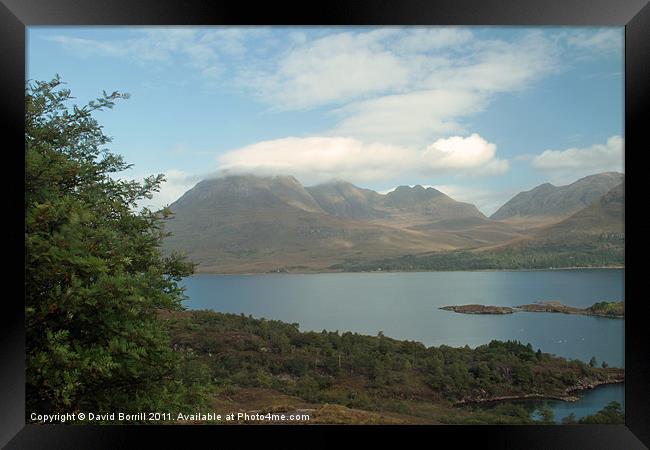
<point>94,273</point>
<point>546,414</point>
<point>372,372</point>
<point>612,413</point>
<point>595,251</point>
<point>608,308</point>
<point>570,419</point>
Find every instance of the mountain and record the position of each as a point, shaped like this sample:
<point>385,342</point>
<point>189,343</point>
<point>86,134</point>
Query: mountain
<point>421,205</point>
<point>554,203</point>
<point>428,205</point>
<point>343,199</point>
<point>605,216</point>
<point>592,237</point>
<point>595,235</point>
<point>241,194</point>
<point>247,223</point>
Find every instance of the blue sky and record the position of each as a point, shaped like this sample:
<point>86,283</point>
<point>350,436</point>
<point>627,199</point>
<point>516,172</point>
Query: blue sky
<point>479,112</point>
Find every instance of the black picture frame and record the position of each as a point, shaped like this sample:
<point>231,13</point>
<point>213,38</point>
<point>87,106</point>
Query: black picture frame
<point>634,15</point>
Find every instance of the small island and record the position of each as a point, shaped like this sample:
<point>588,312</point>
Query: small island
<point>479,309</point>
<point>608,309</point>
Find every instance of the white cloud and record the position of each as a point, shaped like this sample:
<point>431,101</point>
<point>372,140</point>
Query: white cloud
<point>598,41</point>
<point>404,87</point>
<point>574,162</point>
<point>318,159</point>
<point>472,153</point>
<point>347,66</point>
<point>411,118</point>
<point>608,156</point>
<point>177,183</point>
<point>493,66</point>
<point>443,87</point>
<point>396,85</point>
<point>331,69</point>
<point>199,49</point>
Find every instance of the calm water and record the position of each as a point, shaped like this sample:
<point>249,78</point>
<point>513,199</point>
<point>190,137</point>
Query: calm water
<point>590,402</point>
<point>405,306</point>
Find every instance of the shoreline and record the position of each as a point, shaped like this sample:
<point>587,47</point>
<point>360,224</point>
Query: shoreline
<point>321,272</point>
<point>564,398</point>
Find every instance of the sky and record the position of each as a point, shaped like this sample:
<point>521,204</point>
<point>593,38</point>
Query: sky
<point>480,113</point>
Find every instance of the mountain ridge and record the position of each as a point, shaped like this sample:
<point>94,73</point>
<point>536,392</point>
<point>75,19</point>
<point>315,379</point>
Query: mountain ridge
<point>550,201</point>
<point>249,223</point>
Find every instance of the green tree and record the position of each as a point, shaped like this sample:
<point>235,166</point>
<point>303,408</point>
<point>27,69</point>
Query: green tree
<point>593,362</point>
<point>522,375</point>
<point>611,413</point>
<point>546,414</point>
<point>95,276</point>
<point>570,419</point>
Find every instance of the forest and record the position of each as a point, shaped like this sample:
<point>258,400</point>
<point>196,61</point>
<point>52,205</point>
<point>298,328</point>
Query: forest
<point>598,251</point>
<point>228,353</point>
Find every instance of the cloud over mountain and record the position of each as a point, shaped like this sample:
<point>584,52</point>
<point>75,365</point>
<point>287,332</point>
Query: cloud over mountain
<point>317,159</point>
<point>574,162</point>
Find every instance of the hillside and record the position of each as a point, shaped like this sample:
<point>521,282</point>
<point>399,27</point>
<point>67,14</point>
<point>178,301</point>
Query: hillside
<point>591,237</point>
<point>262,366</point>
<point>261,224</point>
<point>553,203</point>
<point>603,217</point>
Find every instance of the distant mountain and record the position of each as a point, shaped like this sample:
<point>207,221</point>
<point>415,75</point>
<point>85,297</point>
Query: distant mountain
<point>604,217</point>
<point>242,194</point>
<point>549,201</point>
<point>591,237</point>
<point>431,204</point>
<point>423,205</point>
<point>247,223</point>
<point>344,199</point>
<point>595,233</point>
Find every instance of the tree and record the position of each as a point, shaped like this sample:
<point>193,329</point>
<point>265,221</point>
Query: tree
<point>95,276</point>
<point>522,375</point>
<point>593,362</point>
<point>546,414</point>
<point>570,419</point>
<point>611,413</point>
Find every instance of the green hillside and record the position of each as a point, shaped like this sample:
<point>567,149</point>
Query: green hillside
<point>268,365</point>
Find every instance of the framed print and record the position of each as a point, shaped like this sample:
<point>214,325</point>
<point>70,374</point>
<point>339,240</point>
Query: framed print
<point>362,216</point>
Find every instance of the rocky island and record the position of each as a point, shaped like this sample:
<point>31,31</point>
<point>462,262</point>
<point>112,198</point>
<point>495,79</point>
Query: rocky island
<point>479,309</point>
<point>601,309</point>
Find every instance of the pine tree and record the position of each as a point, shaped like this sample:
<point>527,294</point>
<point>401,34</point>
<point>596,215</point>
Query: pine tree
<point>94,272</point>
